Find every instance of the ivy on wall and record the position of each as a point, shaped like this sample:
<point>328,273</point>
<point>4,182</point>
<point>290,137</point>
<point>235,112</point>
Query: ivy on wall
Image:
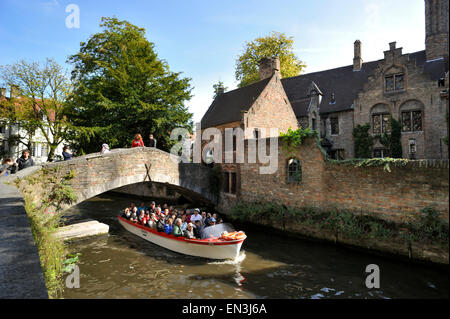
<point>393,141</point>
<point>363,141</point>
<point>293,139</point>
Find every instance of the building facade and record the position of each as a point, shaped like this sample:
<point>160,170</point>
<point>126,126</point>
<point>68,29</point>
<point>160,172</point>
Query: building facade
<point>412,88</point>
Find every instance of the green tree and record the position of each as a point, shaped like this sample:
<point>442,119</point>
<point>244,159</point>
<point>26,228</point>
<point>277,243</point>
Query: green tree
<point>122,88</point>
<point>219,87</point>
<point>276,44</point>
<point>42,90</point>
<point>363,141</point>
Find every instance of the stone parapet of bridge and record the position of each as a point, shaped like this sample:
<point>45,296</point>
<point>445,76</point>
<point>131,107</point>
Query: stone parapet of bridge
<point>98,173</point>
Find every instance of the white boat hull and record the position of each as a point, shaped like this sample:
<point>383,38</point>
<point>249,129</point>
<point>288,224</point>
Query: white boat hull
<point>213,249</point>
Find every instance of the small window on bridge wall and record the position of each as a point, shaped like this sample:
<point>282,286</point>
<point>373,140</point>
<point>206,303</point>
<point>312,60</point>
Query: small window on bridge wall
<point>229,182</point>
<point>294,170</point>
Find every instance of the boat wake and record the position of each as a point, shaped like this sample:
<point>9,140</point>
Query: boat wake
<point>234,261</point>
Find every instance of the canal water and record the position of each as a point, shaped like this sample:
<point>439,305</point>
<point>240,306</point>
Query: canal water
<point>123,265</point>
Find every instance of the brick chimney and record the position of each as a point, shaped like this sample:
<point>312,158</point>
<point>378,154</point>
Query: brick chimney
<point>436,29</point>
<point>268,67</point>
<point>357,60</point>
<point>2,93</point>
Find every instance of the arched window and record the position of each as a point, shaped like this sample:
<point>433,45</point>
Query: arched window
<point>294,171</point>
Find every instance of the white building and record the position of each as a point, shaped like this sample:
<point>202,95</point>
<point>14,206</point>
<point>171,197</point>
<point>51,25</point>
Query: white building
<point>39,146</point>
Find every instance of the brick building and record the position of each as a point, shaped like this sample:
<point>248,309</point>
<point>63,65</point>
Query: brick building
<point>411,87</point>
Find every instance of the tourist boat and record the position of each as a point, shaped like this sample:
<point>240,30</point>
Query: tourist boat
<point>216,247</point>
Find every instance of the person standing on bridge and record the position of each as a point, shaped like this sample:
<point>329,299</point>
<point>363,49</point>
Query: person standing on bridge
<point>137,142</point>
<point>105,149</point>
<point>25,160</point>
<point>152,141</point>
<point>66,153</point>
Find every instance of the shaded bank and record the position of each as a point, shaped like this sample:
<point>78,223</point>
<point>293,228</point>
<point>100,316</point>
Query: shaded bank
<point>424,237</point>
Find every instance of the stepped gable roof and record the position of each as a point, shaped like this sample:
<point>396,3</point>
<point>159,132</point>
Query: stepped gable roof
<point>227,106</point>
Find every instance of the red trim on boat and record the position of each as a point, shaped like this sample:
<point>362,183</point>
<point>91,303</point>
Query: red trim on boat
<point>213,242</point>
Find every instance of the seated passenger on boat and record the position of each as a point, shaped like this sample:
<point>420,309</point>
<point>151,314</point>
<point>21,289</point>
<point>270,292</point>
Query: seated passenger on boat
<point>152,221</point>
<point>189,232</point>
<point>141,208</point>
<point>196,215</point>
<point>168,227</point>
<point>127,213</point>
<point>211,222</point>
<point>177,228</point>
<point>142,219</point>
<point>152,207</point>
<point>205,221</point>
<point>134,217</point>
<point>184,223</point>
<point>198,228</point>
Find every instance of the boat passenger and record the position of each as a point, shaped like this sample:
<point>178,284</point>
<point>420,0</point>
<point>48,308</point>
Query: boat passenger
<point>142,220</point>
<point>160,224</point>
<point>196,215</point>
<point>211,221</point>
<point>206,220</point>
<point>126,213</point>
<point>220,221</point>
<point>141,208</point>
<point>152,207</point>
<point>189,232</point>
<point>134,217</point>
<point>168,228</point>
<point>203,219</point>
<point>177,228</point>
<point>152,221</point>
<point>197,229</point>
<point>188,216</point>
<point>184,223</point>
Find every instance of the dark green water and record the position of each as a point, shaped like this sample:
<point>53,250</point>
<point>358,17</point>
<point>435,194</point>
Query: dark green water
<point>123,265</point>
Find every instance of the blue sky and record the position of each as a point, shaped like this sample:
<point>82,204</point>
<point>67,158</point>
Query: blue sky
<point>203,38</point>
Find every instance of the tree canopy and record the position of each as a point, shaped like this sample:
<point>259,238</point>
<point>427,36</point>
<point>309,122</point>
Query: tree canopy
<point>122,88</point>
<point>219,87</point>
<point>274,45</point>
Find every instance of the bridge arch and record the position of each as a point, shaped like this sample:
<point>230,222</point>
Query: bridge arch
<point>97,173</point>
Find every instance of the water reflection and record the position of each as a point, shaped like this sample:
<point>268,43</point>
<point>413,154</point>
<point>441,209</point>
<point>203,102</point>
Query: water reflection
<point>122,265</point>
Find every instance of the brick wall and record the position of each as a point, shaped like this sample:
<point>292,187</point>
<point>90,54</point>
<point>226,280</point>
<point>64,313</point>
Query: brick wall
<point>366,189</point>
<point>271,109</point>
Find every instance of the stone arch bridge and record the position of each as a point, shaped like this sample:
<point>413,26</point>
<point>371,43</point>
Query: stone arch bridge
<point>98,173</point>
